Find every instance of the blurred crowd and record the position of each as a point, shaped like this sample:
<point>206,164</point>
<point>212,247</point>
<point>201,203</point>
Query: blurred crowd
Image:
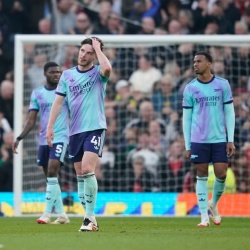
<point>144,150</point>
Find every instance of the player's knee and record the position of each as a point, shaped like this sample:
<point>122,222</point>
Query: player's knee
<point>52,173</point>
<point>221,175</point>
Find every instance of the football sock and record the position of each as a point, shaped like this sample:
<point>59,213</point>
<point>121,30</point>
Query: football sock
<point>80,188</point>
<point>202,193</point>
<point>51,193</point>
<point>218,189</point>
<point>90,190</point>
<point>59,204</point>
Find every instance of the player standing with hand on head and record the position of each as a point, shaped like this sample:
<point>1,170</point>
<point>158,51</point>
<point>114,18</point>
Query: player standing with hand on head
<point>85,88</point>
<point>208,127</point>
<point>50,159</point>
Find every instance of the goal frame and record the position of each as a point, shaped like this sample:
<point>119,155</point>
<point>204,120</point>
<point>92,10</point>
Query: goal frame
<point>109,40</point>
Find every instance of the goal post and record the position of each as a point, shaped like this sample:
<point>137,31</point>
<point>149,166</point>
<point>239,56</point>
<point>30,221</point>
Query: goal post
<point>22,91</point>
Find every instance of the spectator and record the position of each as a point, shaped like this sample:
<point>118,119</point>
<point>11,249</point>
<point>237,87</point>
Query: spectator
<point>146,114</point>
<point>104,10</point>
<point>63,19</point>
<point>6,45</point>
<point>152,9</point>
<point>200,15</point>
<point>133,9</point>
<point>172,68</point>
<point>146,74</point>
<point>242,111</point>
<point>105,171</point>
<point>218,68</point>
<point>38,10</point>
<point>241,169</point>
<point>240,28</point>
<point>150,166</point>
<point>6,163</point>
<point>174,27</point>
<point>44,26</point>
<point>158,142</point>
<point>141,179</point>
<point>185,18</point>
<point>189,182</point>
<point>240,66</point>
<point>83,25</point>
<point>166,97</point>
<point>147,26</point>
<point>35,72</point>
<point>169,10</point>
<point>241,5</point>
<point>212,28</point>
<point>126,105</point>
<point>245,17</point>
<point>216,13</point>
<point>17,12</point>
<point>6,55</point>
<point>7,100</point>
<point>231,12</point>
<point>114,24</point>
<point>174,169</point>
<point>4,127</point>
<point>184,56</point>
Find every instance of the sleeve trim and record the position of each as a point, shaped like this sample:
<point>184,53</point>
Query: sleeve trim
<point>228,102</point>
<point>61,94</point>
<point>187,107</point>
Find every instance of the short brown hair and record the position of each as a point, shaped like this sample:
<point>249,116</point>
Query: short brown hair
<point>89,41</point>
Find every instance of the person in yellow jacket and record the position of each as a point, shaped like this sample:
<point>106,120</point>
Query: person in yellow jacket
<point>230,187</point>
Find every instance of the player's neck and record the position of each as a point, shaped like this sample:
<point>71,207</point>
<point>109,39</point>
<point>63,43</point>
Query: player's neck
<point>206,77</point>
<point>85,68</point>
<point>50,86</point>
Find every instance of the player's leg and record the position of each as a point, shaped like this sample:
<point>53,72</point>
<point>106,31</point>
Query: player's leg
<point>202,192</point>
<point>220,162</point>
<point>76,143</point>
<point>90,190</point>
<point>56,158</point>
<point>93,145</point>
<point>42,161</point>
<point>200,153</point>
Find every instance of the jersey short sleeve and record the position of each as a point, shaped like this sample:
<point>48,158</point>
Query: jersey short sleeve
<point>33,102</point>
<point>61,87</point>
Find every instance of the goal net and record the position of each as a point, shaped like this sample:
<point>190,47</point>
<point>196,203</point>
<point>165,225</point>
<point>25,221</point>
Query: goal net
<point>144,150</point>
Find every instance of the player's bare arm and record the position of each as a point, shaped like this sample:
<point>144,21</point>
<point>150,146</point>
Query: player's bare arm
<point>55,111</point>
<point>106,67</point>
<point>30,123</point>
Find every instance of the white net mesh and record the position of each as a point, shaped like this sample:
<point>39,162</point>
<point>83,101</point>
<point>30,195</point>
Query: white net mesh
<point>160,166</point>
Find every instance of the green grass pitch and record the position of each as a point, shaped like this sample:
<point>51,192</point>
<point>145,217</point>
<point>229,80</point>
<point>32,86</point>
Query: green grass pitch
<point>125,233</point>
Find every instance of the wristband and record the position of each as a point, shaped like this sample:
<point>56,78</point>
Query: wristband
<point>19,138</point>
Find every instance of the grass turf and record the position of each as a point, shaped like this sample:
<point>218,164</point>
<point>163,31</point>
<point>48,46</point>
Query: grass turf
<point>125,233</point>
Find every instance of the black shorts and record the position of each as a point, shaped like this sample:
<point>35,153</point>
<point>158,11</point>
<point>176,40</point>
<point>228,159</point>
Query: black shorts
<point>91,141</point>
<point>208,152</point>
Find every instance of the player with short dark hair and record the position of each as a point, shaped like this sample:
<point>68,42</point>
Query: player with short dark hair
<point>50,159</point>
<point>208,127</point>
<point>84,86</point>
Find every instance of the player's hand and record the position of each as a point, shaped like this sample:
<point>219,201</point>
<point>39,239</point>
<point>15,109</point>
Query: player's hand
<point>188,154</point>
<point>230,149</point>
<point>14,147</point>
<point>50,136</point>
<point>95,43</point>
